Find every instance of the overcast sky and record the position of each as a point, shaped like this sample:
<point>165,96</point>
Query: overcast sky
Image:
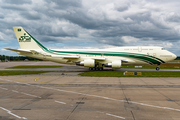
<point>92,23</point>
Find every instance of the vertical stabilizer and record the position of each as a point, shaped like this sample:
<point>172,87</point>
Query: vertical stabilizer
<point>26,41</point>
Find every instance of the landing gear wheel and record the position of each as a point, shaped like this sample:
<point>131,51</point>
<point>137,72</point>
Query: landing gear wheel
<point>157,68</point>
<point>90,69</point>
<point>97,68</point>
<point>101,68</point>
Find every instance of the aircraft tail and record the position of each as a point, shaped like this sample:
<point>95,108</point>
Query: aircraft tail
<point>26,41</point>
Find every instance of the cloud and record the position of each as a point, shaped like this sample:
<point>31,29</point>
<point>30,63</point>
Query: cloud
<point>32,15</point>
<point>1,16</point>
<point>65,4</point>
<point>173,17</point>
<point>129,39</point>
<point>1,37</point>
<point>102,22</point>
<point>13,7</point>
<point>17,1</point>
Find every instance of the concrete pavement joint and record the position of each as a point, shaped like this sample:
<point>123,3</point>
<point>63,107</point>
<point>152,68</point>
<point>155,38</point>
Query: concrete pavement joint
<point>160,92</point>
<point>78,103</point>
<point>53,83</point>
<point>167,108</point>
<point>126,99</point>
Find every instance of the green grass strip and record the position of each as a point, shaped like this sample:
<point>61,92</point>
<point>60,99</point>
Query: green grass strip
<point>5,73</point>
<point>34,66</point>
<point>121,74</point>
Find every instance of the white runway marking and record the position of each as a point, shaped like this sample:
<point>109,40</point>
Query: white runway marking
<point>30,95</point>
<point>9,112</point>
<point>3,88</point>
<point>15,91</point>
<point>25,94</point>
<point>115,116</point>
<point>60,102</point>
<point>167,108</point>
<point>112,115</point>
<point>5,79</point>
<point>111,99</point>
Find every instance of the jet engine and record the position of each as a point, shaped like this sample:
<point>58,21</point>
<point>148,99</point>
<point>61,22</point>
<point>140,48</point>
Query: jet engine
<point>114,64</point>
<point>86,63</point>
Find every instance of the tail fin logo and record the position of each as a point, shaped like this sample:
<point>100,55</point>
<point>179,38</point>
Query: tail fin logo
<point>25,38</point>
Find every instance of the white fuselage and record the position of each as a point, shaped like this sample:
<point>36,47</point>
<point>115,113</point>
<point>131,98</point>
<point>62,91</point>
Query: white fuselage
<point>130,55</point>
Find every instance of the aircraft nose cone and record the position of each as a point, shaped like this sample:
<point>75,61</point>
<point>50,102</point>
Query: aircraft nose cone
<point>174,56</point>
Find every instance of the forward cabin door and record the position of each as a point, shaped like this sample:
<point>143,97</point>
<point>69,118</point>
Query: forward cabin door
<point>139,49</point>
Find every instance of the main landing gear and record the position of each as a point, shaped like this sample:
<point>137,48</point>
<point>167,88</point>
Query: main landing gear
<point>95,68</point>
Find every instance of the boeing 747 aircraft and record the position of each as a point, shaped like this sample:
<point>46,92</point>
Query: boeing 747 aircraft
<point>95,59</point>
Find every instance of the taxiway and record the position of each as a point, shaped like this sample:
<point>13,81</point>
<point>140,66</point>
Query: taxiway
<point>66,68</point>
<point>68,96</point>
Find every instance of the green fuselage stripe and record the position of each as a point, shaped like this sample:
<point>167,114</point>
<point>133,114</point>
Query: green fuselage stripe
<point>146,58</point>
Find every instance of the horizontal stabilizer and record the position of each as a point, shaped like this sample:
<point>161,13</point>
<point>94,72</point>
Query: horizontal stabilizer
<point>17,50</point>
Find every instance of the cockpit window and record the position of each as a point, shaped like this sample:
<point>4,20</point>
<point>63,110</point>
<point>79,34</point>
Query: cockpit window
<point>163,49</point>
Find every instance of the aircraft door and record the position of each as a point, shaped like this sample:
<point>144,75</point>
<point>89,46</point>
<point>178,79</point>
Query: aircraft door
<point>139,49</point>
<point>154,54</point>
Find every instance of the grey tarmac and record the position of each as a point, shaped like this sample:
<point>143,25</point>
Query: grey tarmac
<point>57,96</point>
<point>61,97</point>
<point>65,68</point>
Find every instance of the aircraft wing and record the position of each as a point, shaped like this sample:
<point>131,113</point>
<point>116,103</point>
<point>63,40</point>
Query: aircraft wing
<point>61,56</point>
<point>70,58</point>
<point>99,59</point>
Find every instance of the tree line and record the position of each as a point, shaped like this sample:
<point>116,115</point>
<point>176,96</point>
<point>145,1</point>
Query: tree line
<point>17,58</point>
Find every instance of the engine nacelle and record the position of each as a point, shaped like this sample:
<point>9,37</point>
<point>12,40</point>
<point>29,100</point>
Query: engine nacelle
<point>86,63</point>
<point>114,64</point>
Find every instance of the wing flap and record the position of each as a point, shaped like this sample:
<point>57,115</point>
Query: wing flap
<point>101,59</point>
<point>36,52</point>
<point>71,57</point>
<point>66,57</point>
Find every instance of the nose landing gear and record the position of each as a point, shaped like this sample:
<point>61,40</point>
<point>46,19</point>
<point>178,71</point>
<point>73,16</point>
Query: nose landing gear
<point>157,68</point>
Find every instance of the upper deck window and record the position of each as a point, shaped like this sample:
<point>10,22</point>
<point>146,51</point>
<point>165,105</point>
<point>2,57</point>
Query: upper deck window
<point>163,49</point>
